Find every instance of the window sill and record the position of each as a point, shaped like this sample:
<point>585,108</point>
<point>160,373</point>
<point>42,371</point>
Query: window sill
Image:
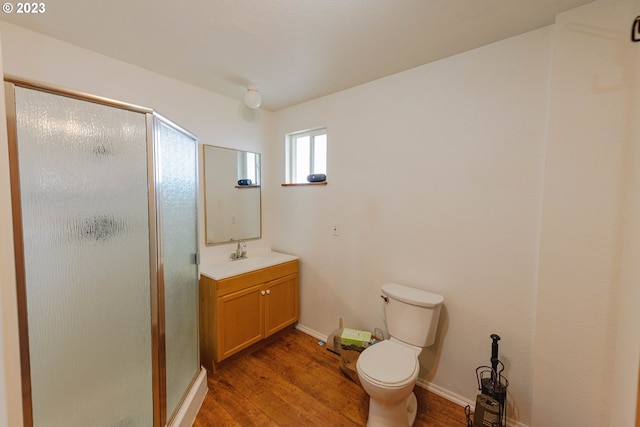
<point>304,183</point>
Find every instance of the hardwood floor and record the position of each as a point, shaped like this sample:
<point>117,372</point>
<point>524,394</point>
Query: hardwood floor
<point>293,381</point>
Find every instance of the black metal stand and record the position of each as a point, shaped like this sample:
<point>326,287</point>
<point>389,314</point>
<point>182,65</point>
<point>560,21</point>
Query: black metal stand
<point>493,385</point>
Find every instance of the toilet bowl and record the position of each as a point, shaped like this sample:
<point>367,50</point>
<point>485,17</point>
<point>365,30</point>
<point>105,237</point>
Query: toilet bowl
<point>388,370</point>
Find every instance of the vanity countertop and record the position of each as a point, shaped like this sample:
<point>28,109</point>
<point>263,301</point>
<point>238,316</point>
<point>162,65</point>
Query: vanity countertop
<point>218,268</point>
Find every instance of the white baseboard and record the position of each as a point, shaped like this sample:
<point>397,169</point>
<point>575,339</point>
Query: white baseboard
<point>442,392</point>
<point>435,389</point>
<point>191,405</point>
<point>311,332</point>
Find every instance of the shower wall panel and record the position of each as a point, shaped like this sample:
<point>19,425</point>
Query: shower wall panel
<point>83,184</point>
<point>176,154</point>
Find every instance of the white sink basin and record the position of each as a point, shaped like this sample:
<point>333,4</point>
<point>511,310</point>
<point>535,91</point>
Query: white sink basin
<point>222,268</point>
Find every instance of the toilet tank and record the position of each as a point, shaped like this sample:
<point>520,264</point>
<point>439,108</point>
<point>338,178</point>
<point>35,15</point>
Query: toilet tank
<point>412,314</point>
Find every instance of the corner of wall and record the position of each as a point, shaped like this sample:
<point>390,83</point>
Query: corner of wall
<point>10,383</point>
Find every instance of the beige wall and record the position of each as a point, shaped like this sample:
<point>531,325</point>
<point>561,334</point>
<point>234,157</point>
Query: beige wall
<point>588,163</point>
<point>435,179</point>
<point>626,379</point>
<point>10,387</point>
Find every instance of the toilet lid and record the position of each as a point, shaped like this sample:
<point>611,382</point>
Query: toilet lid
<point>388,362</point>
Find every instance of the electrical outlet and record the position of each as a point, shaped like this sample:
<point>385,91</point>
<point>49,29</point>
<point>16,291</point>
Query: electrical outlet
<point>335,230</point>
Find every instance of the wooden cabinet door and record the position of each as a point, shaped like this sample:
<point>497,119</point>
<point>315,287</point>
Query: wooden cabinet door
<point>240,317</point>
<point>281,303</point>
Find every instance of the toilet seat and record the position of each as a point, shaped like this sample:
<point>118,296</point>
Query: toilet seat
<point>388,364</point>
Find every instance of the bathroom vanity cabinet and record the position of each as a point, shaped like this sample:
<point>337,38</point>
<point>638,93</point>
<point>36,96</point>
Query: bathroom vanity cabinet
<point>239,311</point>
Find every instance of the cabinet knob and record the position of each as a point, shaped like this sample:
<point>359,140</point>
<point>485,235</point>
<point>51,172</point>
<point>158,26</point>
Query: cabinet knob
<point>262,292</point>
<point>268,291</point>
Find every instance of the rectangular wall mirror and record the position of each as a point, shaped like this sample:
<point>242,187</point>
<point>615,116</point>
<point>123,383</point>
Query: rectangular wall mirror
<point>232,195</point>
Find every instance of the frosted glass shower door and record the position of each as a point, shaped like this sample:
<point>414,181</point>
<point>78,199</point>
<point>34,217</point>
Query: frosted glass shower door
<point>84,200</point>
<point>177,195</point>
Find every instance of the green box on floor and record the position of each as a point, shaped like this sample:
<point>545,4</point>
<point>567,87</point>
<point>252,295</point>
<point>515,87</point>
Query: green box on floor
<point>355,337</point>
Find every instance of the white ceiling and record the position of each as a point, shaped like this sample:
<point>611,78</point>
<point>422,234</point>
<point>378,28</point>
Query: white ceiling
<point>293,50</point>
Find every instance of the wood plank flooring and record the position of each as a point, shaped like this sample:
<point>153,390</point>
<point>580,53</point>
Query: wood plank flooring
<point>293,381</point>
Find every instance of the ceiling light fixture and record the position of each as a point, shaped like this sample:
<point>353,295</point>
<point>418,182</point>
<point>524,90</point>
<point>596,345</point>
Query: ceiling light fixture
<point>252,98</point>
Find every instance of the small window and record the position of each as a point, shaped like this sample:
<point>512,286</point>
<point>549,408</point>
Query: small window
<point>249,167</point>
<point>306,154</point>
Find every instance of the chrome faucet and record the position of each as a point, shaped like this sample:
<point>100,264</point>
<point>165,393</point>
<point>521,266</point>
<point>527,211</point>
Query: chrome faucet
<point>239,253</point>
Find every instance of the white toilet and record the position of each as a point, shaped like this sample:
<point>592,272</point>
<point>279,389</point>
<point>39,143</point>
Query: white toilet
<point>389,369</point>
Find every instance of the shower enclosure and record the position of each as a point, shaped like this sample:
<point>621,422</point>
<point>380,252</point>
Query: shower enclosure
<point>104,204</point>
